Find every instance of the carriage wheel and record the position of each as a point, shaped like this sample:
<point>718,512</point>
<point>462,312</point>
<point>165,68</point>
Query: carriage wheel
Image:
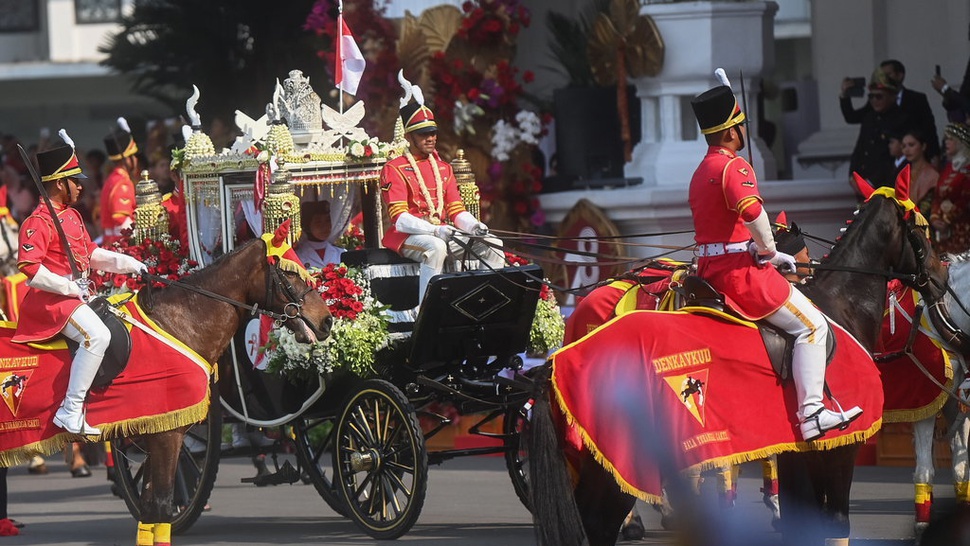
<point>314,449</point>
<point>195,475</point>
<point>516,428</point>
<point>381,463</point>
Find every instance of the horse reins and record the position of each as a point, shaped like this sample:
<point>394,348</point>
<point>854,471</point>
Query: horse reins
<point>295,305</point>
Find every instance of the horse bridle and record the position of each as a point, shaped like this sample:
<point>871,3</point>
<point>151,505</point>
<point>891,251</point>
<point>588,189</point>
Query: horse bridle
<point>292,309</point>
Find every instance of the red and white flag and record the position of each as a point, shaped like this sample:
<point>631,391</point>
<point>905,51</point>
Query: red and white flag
<point>350,61</point>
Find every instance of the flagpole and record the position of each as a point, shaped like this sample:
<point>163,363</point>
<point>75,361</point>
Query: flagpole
<point>340,34</point>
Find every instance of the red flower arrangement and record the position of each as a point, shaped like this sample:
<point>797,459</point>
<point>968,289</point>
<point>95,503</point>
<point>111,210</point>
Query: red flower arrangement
<point>164,257</point>
<point>342,294</point>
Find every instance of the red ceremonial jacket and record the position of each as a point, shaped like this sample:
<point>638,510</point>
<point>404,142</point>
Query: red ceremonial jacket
<point>402,192</point>
<point>719,184</point>
<point>43,314</point>
<point>117,204</point>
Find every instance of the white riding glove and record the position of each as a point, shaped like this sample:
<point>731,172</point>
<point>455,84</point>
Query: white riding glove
<point>469,224</point>
<point>444,232</point>
<point>784,263</point>
<point>116,262</point>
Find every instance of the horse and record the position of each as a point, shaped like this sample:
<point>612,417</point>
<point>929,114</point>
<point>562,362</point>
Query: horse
<point>9,235</point>
<point>955,414</point>
<point>883,241</point>
<point>204,311</point>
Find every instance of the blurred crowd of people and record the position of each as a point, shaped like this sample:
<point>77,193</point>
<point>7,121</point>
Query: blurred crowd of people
<point>897,129</point>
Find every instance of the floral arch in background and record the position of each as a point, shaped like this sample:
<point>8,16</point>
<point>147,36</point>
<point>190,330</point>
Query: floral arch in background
<point>459,57</point>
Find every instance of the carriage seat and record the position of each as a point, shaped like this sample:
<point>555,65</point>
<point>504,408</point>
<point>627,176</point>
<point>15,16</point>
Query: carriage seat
<point>393,282</point>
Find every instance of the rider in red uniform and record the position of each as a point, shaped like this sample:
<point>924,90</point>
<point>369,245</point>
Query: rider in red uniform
<point>56,302</point>
<point>118,193</point>
<point>423,202</point>
<point>727,211</point>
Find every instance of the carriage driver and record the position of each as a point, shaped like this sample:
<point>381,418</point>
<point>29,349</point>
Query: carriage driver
<point>727,212</point>
<point>423,203</point>
<point>56,302</point>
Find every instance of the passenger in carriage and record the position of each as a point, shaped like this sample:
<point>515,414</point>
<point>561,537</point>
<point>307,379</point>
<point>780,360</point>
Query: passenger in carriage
<point>727,212</point>
<point>118,193</point>
<point>56,303</point>
<point>424,205</point>
<point>314,247</point>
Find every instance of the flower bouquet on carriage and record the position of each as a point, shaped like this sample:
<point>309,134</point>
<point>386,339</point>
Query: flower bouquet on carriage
<point>164,257</point>
<point>359,331</point>
<point>548,326</point>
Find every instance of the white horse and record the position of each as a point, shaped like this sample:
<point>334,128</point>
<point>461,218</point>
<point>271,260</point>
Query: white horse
<point>9,235</point>
<point>958,424</point>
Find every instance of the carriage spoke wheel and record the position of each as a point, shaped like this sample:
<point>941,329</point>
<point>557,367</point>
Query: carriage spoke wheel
<point>195,473</point>
<point>516,428</point>
<point>314,449</point>
<point>380,460</point>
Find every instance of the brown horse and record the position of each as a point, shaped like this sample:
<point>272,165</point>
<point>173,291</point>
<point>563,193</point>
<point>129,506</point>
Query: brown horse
<point>883,241</point>
<point>204,311</point>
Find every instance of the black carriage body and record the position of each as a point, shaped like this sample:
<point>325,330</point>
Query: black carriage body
<point>475,315</point>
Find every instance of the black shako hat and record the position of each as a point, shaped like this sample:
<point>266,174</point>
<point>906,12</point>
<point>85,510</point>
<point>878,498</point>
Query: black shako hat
<point>58,163</point>
<point>418,118</point>
<point>717,109</point>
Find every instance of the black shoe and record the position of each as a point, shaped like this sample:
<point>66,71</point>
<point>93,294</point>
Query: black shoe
<point>81,472</point>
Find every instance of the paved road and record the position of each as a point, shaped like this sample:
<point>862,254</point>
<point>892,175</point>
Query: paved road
<point>470,502</point>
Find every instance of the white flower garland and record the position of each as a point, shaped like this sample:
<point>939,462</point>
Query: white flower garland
<point>437,211</point>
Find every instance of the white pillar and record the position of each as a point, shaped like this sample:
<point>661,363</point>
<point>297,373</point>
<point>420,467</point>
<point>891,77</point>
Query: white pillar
<point>699,37</point>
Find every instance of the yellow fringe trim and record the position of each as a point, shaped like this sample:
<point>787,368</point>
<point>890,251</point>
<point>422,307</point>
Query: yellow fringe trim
<point>131,427</point>
<point>708,464</point>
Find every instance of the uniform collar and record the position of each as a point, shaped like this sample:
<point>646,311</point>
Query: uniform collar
<point>722,151</point>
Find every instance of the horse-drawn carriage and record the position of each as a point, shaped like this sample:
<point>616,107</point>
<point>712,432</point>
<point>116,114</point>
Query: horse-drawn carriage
<point>358,440</point>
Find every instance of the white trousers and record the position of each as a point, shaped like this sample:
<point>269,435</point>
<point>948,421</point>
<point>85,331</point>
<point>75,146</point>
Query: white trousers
<point>801,319</point>
<point>434,254</point>
<point>86,328</point>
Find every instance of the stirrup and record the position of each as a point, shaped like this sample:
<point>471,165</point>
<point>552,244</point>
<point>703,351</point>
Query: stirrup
<point>811,427</point>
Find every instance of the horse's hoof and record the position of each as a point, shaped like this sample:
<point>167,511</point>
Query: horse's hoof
<point>633,530</point>
<point>81,472</point>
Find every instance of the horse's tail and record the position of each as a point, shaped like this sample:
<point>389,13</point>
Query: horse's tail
<point>554,511</point>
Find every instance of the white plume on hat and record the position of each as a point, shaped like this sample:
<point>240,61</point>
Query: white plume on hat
<point>406,85</point>
<point>67,140</point>
<point>722,77</point>
<point>123,123</point>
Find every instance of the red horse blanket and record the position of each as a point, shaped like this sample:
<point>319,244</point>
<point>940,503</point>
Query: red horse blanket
<point>910,395</point>
<point>164,386</point>
<point>697,389</point>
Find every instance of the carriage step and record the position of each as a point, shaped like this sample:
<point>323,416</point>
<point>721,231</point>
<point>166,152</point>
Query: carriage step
<point>286,474</point>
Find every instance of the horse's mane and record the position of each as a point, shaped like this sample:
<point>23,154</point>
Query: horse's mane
<point>855,227</point>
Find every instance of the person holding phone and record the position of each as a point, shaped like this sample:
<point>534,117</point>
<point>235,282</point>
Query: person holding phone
<point>955,102</point>
<point>879,117</point>
<point>915,107</point>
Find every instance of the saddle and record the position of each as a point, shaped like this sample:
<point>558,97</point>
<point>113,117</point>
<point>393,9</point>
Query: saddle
<point>779,344</point>
<point>119,350</point>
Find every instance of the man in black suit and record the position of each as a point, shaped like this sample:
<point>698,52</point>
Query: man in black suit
<point>915,106</point>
